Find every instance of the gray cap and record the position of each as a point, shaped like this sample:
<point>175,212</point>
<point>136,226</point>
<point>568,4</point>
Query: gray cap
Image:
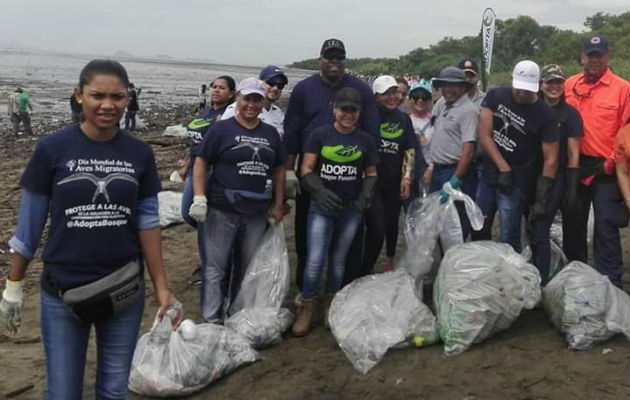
<point>450,75</point>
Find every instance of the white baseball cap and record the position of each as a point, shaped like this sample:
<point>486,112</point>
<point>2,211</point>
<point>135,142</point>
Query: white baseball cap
<point>383,83</point>
<point>251,85</point>
<point>526,76</point>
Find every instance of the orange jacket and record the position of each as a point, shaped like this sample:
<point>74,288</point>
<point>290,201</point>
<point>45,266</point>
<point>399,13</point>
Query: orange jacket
<point>604,107</point>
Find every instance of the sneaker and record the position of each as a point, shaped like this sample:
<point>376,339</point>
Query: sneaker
<point>388,265</point>
<point>195,277</point>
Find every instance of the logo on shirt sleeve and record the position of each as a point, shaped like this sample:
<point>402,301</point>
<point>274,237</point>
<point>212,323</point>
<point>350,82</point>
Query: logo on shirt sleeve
<point>341,154</point>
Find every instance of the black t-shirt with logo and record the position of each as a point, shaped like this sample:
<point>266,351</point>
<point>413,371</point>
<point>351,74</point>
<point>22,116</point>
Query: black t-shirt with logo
<point>518,132</point>
<point>94,190</point>
<point>342,159</point>
<point>242,160</point>
<point>396,135</point>
<point>198,127</point>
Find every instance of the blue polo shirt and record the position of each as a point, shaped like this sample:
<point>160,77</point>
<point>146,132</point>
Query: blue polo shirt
<point>311,106</point>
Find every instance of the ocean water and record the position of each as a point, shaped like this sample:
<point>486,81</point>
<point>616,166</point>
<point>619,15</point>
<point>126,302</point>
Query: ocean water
<point>49,80</point>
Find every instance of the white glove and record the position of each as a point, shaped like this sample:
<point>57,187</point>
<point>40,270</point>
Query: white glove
<point>291,185</point>
<point>199,208</point>
<point>11,306</point>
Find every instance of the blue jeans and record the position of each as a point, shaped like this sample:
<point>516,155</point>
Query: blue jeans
<point>187,198</point>
<point>322,229</point>
<point>65,341</point>
<point>469,187</point>
<point>510,209</point>
<point>130,120</point>
<point>231,240</point>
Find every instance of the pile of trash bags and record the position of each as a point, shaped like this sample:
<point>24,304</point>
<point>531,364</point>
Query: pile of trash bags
<point>170,208</point>
<point>481,289</point>
<point>378,312</point>
<point>384,311</point>
<point>170,363</point>
<point>585,306</point>
<point>257,312</point>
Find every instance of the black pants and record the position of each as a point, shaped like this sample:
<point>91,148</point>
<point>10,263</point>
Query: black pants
<point>381,224</point>
<point>610,215</point>
<point>354,259</point>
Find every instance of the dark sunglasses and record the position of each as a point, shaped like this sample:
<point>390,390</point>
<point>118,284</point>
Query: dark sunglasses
<point>279,84</point>
<point>415,97</point>
<point>349,109</point>
<point>335,57</point>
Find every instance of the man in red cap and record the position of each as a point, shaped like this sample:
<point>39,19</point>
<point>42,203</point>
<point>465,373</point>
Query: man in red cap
<point>601,98</point>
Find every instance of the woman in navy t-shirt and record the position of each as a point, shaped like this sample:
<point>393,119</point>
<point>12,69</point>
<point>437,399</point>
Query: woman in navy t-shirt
<point>397,151</point>
<point>246,184</point>
<point>100,187</point>
<point>222,91</point>
<point>339,172</point>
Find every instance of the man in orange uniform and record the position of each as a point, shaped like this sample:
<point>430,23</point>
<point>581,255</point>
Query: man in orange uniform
<point>601,97</point>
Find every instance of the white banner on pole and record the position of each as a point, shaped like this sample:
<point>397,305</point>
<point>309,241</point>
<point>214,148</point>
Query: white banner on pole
<point>487,36</point>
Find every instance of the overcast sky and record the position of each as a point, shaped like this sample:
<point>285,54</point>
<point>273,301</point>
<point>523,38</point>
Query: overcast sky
<point>258,32</point>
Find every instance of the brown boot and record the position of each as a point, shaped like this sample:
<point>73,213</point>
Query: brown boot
<point>302,325</point>
<point>326,300</point>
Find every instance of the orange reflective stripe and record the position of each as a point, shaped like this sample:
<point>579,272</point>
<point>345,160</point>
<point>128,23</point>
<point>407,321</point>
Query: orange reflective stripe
<point>604,107</point>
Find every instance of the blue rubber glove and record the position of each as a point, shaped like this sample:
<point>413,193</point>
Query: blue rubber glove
<point>454,183</point>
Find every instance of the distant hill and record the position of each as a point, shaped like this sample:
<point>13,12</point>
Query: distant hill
<point>122,53</point>
<point>164,57</point>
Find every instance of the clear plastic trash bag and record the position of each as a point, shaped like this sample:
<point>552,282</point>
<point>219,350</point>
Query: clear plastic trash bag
<point>262,327</point>
<point>176,131</point>
<point>256,311</point>
<point>378,312</point>
<point>481,289</point>
<point>586,306</point>
<point>166,365</point>
<point>427,220</point>
<point>170,208</point>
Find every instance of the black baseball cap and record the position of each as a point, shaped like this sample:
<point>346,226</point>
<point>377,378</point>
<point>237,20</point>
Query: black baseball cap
<point>595,44</point>
<point>468,65</point>
<point>332,44</point>
<point>348,97</point>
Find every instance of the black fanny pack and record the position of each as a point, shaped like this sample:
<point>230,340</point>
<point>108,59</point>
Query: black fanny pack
<point>108,296</point>
<point>248,203</point>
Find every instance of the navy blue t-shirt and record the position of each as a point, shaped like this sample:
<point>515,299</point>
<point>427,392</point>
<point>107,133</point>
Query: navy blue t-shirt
<point>396,136</point>
<point>94,188</point>
<point>569,125</point>
<point>342,159</point>
<point>198,127</point>
<point>518,132</point>
<point>242,160</point>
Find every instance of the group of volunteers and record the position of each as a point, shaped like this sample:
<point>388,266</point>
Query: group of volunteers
<point>348,155</point>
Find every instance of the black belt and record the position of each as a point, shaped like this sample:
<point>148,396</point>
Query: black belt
<point>444,166</point>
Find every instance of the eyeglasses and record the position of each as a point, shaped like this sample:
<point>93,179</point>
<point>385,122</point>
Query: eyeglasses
<point>581,95</point>
<point>279,84</point>
<point>416,97</point>
<point>334,56</point>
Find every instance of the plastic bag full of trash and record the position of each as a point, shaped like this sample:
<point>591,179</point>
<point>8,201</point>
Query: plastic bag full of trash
<point>170,208</point>
<point>262,327</point>
<point>427,220</point>
<point>169,363</point>
<point>379,312</point>
<point>586,306</point>
<point>176,131</point>
<point>481,289</point>
<point>256,312</point>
